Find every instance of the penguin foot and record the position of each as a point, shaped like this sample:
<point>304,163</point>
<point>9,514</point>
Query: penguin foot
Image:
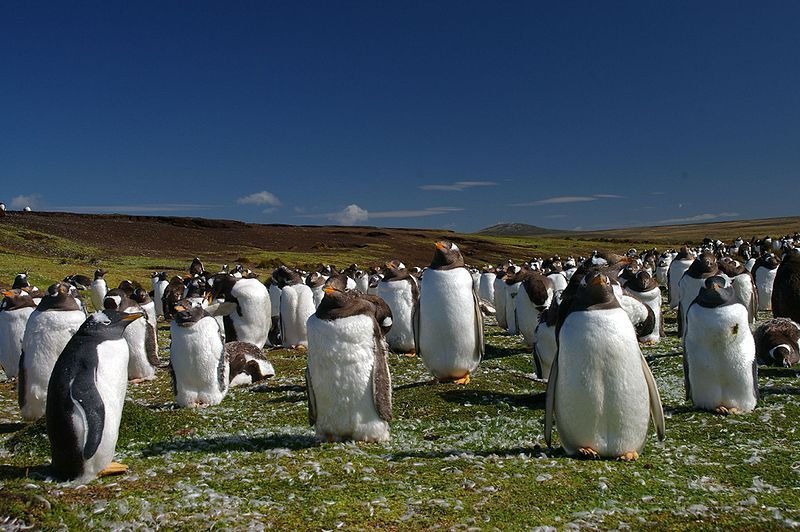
<point>410,354</point>
<point>725,411</point>
<point>139,381</point>
<point>587,453</point>
<point>462,380</point>
<point>114,468</point>
<point>628,457</point>
<point>299,347</point>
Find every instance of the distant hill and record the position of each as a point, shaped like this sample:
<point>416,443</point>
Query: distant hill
<point>517,230</point>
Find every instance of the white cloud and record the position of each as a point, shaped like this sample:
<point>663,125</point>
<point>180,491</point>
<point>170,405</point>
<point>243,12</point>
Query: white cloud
<point>260,198</point>
<point>350,215</point>
<point>22,201</point>
<point>459,185</point>
<point>430,211</point>
<point>699,218</point>
<point>566,199</point>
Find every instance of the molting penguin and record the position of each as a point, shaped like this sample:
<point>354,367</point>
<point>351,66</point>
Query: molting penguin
<point>315,281</point>
<point>15,309</point>
<point>196,267</point>
<point>173,293</point>
<point>744,288</point>
<point>250,322</point>
<point>86,394</point>
<point>448,324</point>
<point>600,389</point>
<point>677,268</point>
<point>98,289</point>
<point>247,364</point>
<point>399,290</point>
<point>347,378</point>
<point>719,354</point>
<point>141,337</point>
<point>160,283</point>
<point>786,288</point>
<point>198,361</point>
<point>778,342</point>
<point>49,328</point>
<point>703,267</point>
<point>764,272</point>
<point>297,305</point>
<point>644,288</point>
<point>534,296</point>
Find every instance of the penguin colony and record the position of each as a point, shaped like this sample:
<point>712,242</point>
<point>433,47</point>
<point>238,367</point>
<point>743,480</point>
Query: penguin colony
<point>584,320</point>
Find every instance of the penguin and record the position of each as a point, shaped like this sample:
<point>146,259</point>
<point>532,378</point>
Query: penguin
<point>600,389</point>
<point>15,309</point>
<point>297,305</point>
<point>247,364</point>
<point>196,267</point>
<point>786,287</point>
<point>98,289</point>
<point>81,282</point>
<point>275,304</point>
<point>173,293</point>
<point>677,267</point>
<point>49,328</point>
<point>86,395</point>
<point>147,304</point>
<point>764,272</point>
<point>448,325</point>
<point>486,285</point>
<point>362,281</point>
<point>399,290</point>
<point>644,288</point>
<point>719,353</point>
<point>544,344</point>
<point>141,337</point>
<point>499,292</point>
<point>662,268</point>
<point>251,321</point>
<point>512,283</point>
<point>21,281</point>
<point>316,281</point>
<point>703,267</point>
<point>199,363</point>
<point>778,342</point>
<point>348,381</point>
<point>744,288</point>
<point>535,295</point>
<point>160,283</point>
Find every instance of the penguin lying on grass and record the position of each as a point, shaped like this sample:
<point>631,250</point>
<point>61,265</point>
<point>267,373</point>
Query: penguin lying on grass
<point>85,398</point>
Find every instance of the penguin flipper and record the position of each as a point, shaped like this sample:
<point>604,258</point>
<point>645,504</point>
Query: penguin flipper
<point>656,409</point>
<point>312,400</point>
<point>150,345</point>
<point>687,384</point>
<point>21,380</point>
<point>550,402</point>
<point>756,393</point>
<point>415,326</point>
<point>381,382</point>
<point>478,325</point>
<point>83,392</point>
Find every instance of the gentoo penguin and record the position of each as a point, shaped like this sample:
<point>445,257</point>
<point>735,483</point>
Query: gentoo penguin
<point>744,288</point>
<point>196,267</point>
<point>662,268</point>
<point>15,309</point>
<point>486,285</point>
<point>534,296</point>
<point>786,287</point>
<point>143,299</point>
<point>141,337</point>
<point>499,293</point>
<point>297,305</point>
<point>677,268</point>
<point>79,281</point>
<point>49,328</point>
<point>703,267</point>
<point>21,281</point>
<point>764,273</point>
<point>399,290</point>
<point>448,324</point>
<point>275,304</point>
<point>316,281</point>
<point>198,363</point>
<point>512,281</point>
<point>247,363</point>
<point>98,289</point>
<point>86,394</point>
<point>644,288</point>
<point>250,321</point>
<point>160,283</point>
<point>544,344</point>
<point>719,354</point>
<point>173,293</point>
<point>778,342</point>
<point>600,389</point>
<point>347,378</point>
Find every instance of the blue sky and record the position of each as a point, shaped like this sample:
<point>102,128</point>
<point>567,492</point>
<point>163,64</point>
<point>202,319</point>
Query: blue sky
<point>455,115</point>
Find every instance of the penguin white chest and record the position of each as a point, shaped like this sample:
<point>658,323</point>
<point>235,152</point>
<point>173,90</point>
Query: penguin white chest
<point>252,319</point>
<point>197,358</point>
<point>398,295</point>
<point>12,331</point>
<point>297,304</point>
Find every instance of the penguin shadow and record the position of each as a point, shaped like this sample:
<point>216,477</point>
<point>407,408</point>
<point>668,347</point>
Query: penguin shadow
<point>233,443</point>
<point>679,409</point>
<point>775,372</point>
<point>485,397</point>
<point>38,472</point>
<point>8,428</point>
<point>554,452</point>
<point>765,391</point>
<point>291,393</point>
<point>493,351</point>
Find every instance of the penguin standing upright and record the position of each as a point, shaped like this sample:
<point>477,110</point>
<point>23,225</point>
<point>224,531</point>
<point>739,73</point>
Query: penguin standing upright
<point>347,378</point>
<point>644,288</point>
<point>160,283</point>
<point>703,267</point>
<point>719,353</point>
<point>600,389</point>
<point>512,283</point>
<point>448,324</point>
<point>15,309</point>
<point>199,364</point>
<point>486,285</point>
<point>275,306</point>
<point>98,289</point>
<point>148,306</point>
<point>399,290</point>
<point>764,272</point>
<point>744,288</point>
<point>297,305</point>
<point>677,267</point>
<point>250,322</point>
<point>86,394</point>
<point>662,268</point>
<point>786,287</point>
<point>57,317</point>
<point>499,294</point>
<point>141,338</point>
<point>315,281</point>
<point>534,296</point>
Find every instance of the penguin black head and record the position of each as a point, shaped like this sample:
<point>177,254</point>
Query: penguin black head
<point>315,279</point>
<point>221,286</point>
<point>283,276</point>
<point>16,299</point>
<point>196,268</point>
<point>99,273</point>
<point>394,268</point>
<point>60,296</point>
<point>730,266</point>
<point>129,287</point>
<point>141,296</point>
<point>641,282</point>
<point>594,289</point>
<point>187,313</point>
<point>160,276</point>
<point>446,256</point>
<point>769,261</point>
<point>717,291</point>
<point>196,287</point>
<point>21,281</point>
<point>117,299</point>
<point>108,324</point>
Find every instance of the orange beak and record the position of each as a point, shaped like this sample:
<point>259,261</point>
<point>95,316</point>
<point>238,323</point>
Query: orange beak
<point>599,280</point>
<point>329,290</point>
<point>134,316</point>
<point>441,246</point>
<point>8,293</point>
<point>179,308</point>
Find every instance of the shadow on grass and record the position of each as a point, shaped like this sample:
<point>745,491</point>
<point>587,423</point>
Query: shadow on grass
<point>557,452</point>
<point>233,443</point>
<point>769,371</point>
<point>39,472</point>
<point>493,351</point>
<point>483,397</point>
<point>410,385</point>
<point>7,428</point>
<point>778,390</point>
